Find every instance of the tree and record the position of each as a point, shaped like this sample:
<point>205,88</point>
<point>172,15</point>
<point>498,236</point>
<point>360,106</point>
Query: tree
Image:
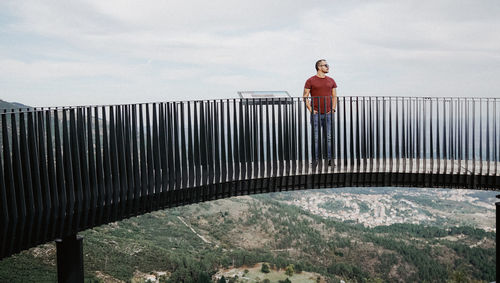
<point>285,281</point>
<point>289,270</point>
<point>204,278</point>
<point>265,268</point>
<point>222,280</point>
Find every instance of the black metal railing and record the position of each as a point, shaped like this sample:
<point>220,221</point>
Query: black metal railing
<point>64,170</point>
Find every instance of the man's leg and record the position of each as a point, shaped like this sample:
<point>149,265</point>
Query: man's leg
<point>315,129</point>
<point>329,135</point>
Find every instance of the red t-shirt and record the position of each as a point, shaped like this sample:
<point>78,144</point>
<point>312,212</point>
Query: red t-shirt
<point>321,87</point>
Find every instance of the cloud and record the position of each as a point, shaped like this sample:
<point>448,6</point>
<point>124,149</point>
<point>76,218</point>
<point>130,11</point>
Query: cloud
<point>144,48</point>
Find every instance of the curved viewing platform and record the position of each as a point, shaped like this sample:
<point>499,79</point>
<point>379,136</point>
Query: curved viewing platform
<point>67,169</point>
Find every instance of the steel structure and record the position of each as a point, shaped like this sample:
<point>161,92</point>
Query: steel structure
<point>67,169</point>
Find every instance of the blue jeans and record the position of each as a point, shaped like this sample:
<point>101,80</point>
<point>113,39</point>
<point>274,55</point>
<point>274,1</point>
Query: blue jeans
<point>326,125</point>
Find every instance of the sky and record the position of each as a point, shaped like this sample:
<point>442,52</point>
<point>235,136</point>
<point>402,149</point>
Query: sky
<point>55,53</point>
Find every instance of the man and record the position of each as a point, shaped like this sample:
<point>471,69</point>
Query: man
<point>322,104</point>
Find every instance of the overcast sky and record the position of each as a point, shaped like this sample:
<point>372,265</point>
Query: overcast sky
<point>108,52</point>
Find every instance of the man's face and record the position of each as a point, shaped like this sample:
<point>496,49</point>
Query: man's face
<point>323,66</point>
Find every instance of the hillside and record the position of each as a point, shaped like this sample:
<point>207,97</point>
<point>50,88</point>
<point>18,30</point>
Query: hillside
<point>11,105</point>
<point>331,233</point>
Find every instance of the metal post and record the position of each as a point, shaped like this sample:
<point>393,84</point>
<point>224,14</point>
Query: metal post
<point>497,205</point>
<point>70,259</point>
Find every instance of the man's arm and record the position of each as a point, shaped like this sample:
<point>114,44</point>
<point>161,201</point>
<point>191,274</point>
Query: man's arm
<point>334,98</point>
<point>307,93</point>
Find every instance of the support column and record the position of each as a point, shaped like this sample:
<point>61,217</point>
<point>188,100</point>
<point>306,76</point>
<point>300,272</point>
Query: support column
<point>497,205</point>
<point>70,259</point>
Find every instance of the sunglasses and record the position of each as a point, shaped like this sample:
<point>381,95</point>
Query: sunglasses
<point>325,65</point>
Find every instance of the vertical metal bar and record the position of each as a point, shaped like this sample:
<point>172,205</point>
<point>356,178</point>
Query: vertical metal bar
<point>108,176</point>
<point>113,156</point>
<point>223,150</point>
<point>174,158</point>
<point>306,139</point>
<point>262,121</point>
<point>473,138</point>
<point>411,136</point>
<point>4,216</point>
<point>155,180</point>
<point>61,185</point>
<point>364,142</point>
<point>216,148</point>
<point>416,137</point>
<point>460,135</point>
<point>210,150</point>
<point>10,193</point>
<point>384,139</point>
<point>39,225</point>
<point>68,173</point>
<point>47,224</point>
<point>18,186</point>
<point>197,146</point>
<point>25,166</point>
<point>301,149</point>
<point>495,142</point>
<point>51,173</point>
<point>123,159</point>
<point>249,143</point>
<point>203,144</point>
<point>268,143</point>
<point>451,135</point>
<point>370,137</point>
<point>275,146</point>
<point>293,140</point>
<point>391,141</point>
<point>438,139</point>
<point>255,135</point>
<point>135,163</point>
<point>352,142</point>
<point>190,141</point>
<point>83,172</point>
<point>156,156</point>
<point>143,160</point>
<point>236,142</point>
<point>431,137</point>
<point>242,145</point>
<point>466,137</point>
<point>480,138</point>
<point>91,156</point>
<point>377,138</point>
<point>183,145</point>
<point>404,132</point>
<point>397,141</point>
<point>280,144</point>
<point>101,195</point>
<point>74,139</point>
<point>129,153</point>
<point>445,139</point>
<point>230,161</point>
<point>163,136</point>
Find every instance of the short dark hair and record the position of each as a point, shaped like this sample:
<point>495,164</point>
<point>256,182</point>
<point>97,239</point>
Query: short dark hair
<point>317,63</point>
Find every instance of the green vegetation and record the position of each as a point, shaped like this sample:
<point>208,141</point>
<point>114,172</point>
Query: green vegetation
<point>265,268</point>
<point>242,232</point>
